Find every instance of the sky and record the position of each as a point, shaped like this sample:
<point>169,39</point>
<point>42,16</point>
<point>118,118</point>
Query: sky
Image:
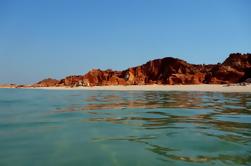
<point>55,38</point>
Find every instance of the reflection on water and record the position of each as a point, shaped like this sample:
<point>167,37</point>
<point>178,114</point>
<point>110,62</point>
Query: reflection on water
<point>126,128</point>
<point>167,100</point>
<point>222,116</point>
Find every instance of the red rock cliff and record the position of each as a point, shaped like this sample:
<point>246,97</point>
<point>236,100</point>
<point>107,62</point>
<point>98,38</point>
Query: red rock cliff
<point>236,68</point>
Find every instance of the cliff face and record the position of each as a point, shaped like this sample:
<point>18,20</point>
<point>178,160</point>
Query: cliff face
<point>236,68</point>
<point>168,71</point>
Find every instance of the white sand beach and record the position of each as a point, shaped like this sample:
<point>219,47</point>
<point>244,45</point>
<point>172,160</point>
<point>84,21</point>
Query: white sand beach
<point>200,87</point>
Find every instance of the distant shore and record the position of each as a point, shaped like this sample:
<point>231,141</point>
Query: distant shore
<point>200,87</point>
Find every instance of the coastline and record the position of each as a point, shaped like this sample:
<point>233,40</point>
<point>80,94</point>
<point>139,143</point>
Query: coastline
<point>188,88</point>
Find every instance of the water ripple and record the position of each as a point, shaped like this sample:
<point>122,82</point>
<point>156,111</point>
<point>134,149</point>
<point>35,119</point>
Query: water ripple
<point>151,128</point>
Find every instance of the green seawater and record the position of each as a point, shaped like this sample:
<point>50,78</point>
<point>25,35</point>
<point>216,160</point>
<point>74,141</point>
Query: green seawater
<point>114,128</point>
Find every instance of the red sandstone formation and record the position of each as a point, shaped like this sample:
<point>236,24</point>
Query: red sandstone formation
<point>75,80</point>
<point>236,68</point>
<point>46,83</point>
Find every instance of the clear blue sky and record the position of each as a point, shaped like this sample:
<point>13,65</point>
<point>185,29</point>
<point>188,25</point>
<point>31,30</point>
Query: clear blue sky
<point>55,38</point>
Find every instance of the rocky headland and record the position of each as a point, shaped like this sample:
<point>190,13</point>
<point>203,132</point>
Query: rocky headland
<point>235,69</point>
<point>167,71</point>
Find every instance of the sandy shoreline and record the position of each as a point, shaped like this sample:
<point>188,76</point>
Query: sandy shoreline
<point>201,87</point>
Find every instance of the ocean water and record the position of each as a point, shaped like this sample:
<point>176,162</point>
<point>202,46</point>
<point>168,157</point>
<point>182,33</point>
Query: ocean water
<point>113,128</point>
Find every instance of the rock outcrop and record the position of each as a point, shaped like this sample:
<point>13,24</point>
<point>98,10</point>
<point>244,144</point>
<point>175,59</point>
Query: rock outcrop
<point>46,83</point>
<point>236,68</point>
<point>97,77</point>
<point>73,81</point>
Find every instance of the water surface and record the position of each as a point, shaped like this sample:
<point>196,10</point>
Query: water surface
<point>47,128</point>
